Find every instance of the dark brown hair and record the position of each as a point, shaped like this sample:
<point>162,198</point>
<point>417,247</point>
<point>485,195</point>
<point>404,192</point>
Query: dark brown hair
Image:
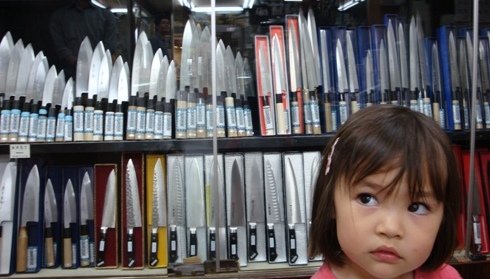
<point>377,138</point>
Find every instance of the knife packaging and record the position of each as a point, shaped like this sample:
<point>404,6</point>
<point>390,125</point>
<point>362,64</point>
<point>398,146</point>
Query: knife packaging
<point>295,208</point>
<point>29,241</point>
<point>195,206</point>
<point>461,217</point>
<point>215,207</point>
<point>132,239</point>
<point>452,97</point>
<point>177,245</point>
<point>264,86</point>
<point>9,177</point>
<point>235,208</point>
<point>274,205</point>
<point>53,231</point>
<point>156,236</point>
<point>255,202</point>
<point>87,221</point>
<point>311,167</point>
<point>70,258</point>
<point>279,74</point>
<point>107,243</point>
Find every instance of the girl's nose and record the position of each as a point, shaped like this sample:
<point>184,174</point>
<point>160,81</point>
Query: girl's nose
<point>390,224</point>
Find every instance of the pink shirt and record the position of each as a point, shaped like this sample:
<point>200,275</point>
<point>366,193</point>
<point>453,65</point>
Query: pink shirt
<point>444,272</point>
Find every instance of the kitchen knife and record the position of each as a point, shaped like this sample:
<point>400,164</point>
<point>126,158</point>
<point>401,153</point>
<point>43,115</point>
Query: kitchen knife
<point>26,62</point>
<point>456,93</point>
<point>154,73</point>
<point>255,212</point>
<point>293,210</point>
<point>171,83</point>
<point>437,109</point>
<point>294,68</point>
<point>423,81</point>
<point>414,66</point>
<point>86,219</point>
<point>6,197</point>
<point>114,79</point>
<point>104,76</point>
<point>95,66</point>
<point>69,217</point>
<point>37,75</point>
<point>384,78</point>
<point>266,94</point>
<point>50,218</point>
<point>469,50</point>
<point>13,68</point>
<point>369,79</point>
<point>215,218</point>
<point>186,57</point>
<point>280,88</point>
<point>162,78</point>
<point>26,250</point>
<point>176,212</point>
<point>195,208</point>
<point>394,65</point>
<point>6,46</point>
<point>108,216</point>
<point>158,210</point>
<point>242,107</point>
<point>140,76</point>
<point>59,87</point>
<point>85,53</point>
<point>403,55</point>
<point>133,211</point>
<point>342,86</point>
<point>274,214</point>
<point>352,72</point>
<point>204,68</point>
<point>67,100</point>
<point>328,91</point>
<point>237,209</point>
<point>465,82</point>
<point>312,33</point>
<point>49,85</point>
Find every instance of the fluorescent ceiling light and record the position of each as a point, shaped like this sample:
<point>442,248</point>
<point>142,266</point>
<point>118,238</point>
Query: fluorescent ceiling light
<point>119,10</point>
<point>98,4</point>
<point>348,4</point>
<point>293,0</point>
<point>248,4</point>
<point>217,9</point>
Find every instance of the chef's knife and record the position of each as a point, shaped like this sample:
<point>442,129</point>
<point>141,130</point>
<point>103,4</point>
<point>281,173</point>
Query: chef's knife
<point>108,216</point>
<point>394,66</point>
<point>186,58</point>
<point>171,83</point>
<point>154,72</point>
<point>294,68</point>
<point>26,250</point>
<point>37,75</point>
<point>274,214</point>
<point>69,217</point>
<point>6,197</point>
<point>95,67</point>
<point>104,76</point>
<point>140,76</point>
<point>195,207</point>
<point>214,218</point>
<point>384,78</point>
<point>50,218</point>
<point>13,68</point>
<point>414,66</point>
<point>237,209</point>
<point>312,33</point>
<point>26,62</point>
<point>114,79</point>
<point>342,86</point>
<point>158,210</point>
<point>293,210</point>
<point>280,88</point>
<point>255,212</point>
<point>456,93</point>
<point>204,67</point>
<point>403,55</point>
<point>423,66</point>
<point>86,218</point>
<point>352,72</point>
<point>176,212</point>
<point>465,82</point>
<point>369,79</point>
<point>162,78</point>
<point>6,46</point>
<point>133,211</point>
<point>438,111</point>
<point>83,67</point>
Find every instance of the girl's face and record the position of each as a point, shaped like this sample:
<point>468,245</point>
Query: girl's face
<point>384,234</point>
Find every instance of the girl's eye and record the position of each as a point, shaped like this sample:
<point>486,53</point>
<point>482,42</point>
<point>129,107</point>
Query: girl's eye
<point>418,208</point>
<point>367,199</point>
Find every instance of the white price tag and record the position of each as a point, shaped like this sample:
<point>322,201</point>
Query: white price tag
<point>18,151</point>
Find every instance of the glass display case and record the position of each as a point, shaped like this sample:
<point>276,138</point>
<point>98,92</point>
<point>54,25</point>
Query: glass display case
<point>149,138</point>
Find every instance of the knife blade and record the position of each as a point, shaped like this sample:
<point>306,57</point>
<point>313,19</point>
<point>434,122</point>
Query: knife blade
<point>469,50</point>
<point>293,210</point>
<point>159,208</point>
<point>393,66</point>
<point>142,61</point>
<point>26,62</point>
<point>49,85</point>
<point>37,69</point>
<point>162,78</point>
<point>229,59</point>
<point>383,72</point>
<point>123,85</point>
<point>69,217</point>
<point>84,59</point>
<point>95,66</point>
<point>439,114</point>
<point>294,68</point>
<point>186,58</point>
<point>342,86</point>
<point>230,88</point>
<point>171,83</point>
<point>87,256</point>
<point>414,65</point>
<point>456,93</point>
<point>154,72</point>
<point>328,90</point>
<point>465,82</point>
<point>176,212</point>
<point>194,208</point>
<point>237,209</point>
<point>59,87</point>
<point>266,87</point>
<point>6,46</point>
<point>280,88</point>
<point>214,217</point>
<point>424,80</point>
<point>369,78</point>
<point>312,33</point>
<point>27,251</point>
<point>133,210</point>
<point>108,216</point>
<point>352,72</point>
<point>403,55</point>
<point>67,100</point>
<point>255,212</point>
<point>274,210</point>
<point>13,67</point>
<point>220,69</point>
<point>204,70</point>
<point>50,217</point>
<point>7,186</point>
<point>104,76</point>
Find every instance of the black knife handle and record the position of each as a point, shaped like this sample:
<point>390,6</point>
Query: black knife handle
<point>271,243</point>
<point>101,250</point>
<point>193,242</point>
<point>154,247</point>
<point>233,243</point>
<point>212,243</point>
<point>173,244</point>
<point>130,248</point>
<point>252,241</point>
<point>293,255</point>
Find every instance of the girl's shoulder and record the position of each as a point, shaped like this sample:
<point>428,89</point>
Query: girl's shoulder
<point>323,273</point>
<point>444,272</point>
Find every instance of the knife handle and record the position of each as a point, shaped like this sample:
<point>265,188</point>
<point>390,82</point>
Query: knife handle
<point>49,246</point>
<point>212,243</point>
<point>193,242</point>
<point>22,250</point>
<point>293,255</point>
<point>101,250</point>
<point>130,248</point>
<point>84,246</point>
<point>154,247</point>
<point>233,243</point>
<point>173,244</point>
<point>252,248</point>
<point>271,244</point>
<point>67,248</point>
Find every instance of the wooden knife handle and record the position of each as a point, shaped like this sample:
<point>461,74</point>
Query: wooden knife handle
<point>67,249</point>
<point>271,243</point>
<point>252,241</point>
<point>22,250</point>
<point>293,255</point>
<point>49,247</point>
<point>101,250</point>
<point>233,243</point>
<point>154,247</point>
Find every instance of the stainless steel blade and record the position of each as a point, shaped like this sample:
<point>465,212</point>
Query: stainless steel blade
<point>109,210</point>
<point>369,72</point>
<point>49,85</point>
<point>123,85</point>
<point>195,195</point>
<point>453,62</point>
<point>104,77</point>
<point>204,70</point>
<point>240,75</point>
<point>68,92</point>
<point>414,56</point>
<point>311,73</point>
<point>37,75</point>
<point>26,62</point>
<point>274,210</point>
<point>327,83</point>
<point>59,88</point>
<point>176,193</point>
<point>402,51</point>
<point>171,83</point>
<point>50,207</point>
<point>133,207</point>
<point>154,72</point>
<point>186,56</point>
<point>13,67</point>
<point>265,72</point>
<point>483,66</point>
<point>220,70</point>
<point>140,77</point>
<point>303,48</point>
<point>293,59</point>
<point>393,65</point>
<point>312,33</point>
<point>5,49</point>
<point>422,56</point>
<point>436,70</point>
<point>69,205</point>
<point>159,203</point>
<point>352,64</point>
<point>30,202</point>
<point>237,207</point>
<point>256,210</point>
<point>463,65</point>
<point>341,71</point>
<point>162,78</point>
<point>212,214</point>
<point>95,65</point>
<point>6,192</point>
<point>86,200</point>
<point>383,67</point>
<point>292,196</point>
<point>279,70</point>
<point>85,53</point>
<point>230,70</point>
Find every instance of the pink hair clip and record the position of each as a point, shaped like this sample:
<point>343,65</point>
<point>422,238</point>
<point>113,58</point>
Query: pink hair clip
<point>329,158</point>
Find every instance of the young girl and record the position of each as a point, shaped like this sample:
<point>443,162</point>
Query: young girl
<point>386,199</point>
